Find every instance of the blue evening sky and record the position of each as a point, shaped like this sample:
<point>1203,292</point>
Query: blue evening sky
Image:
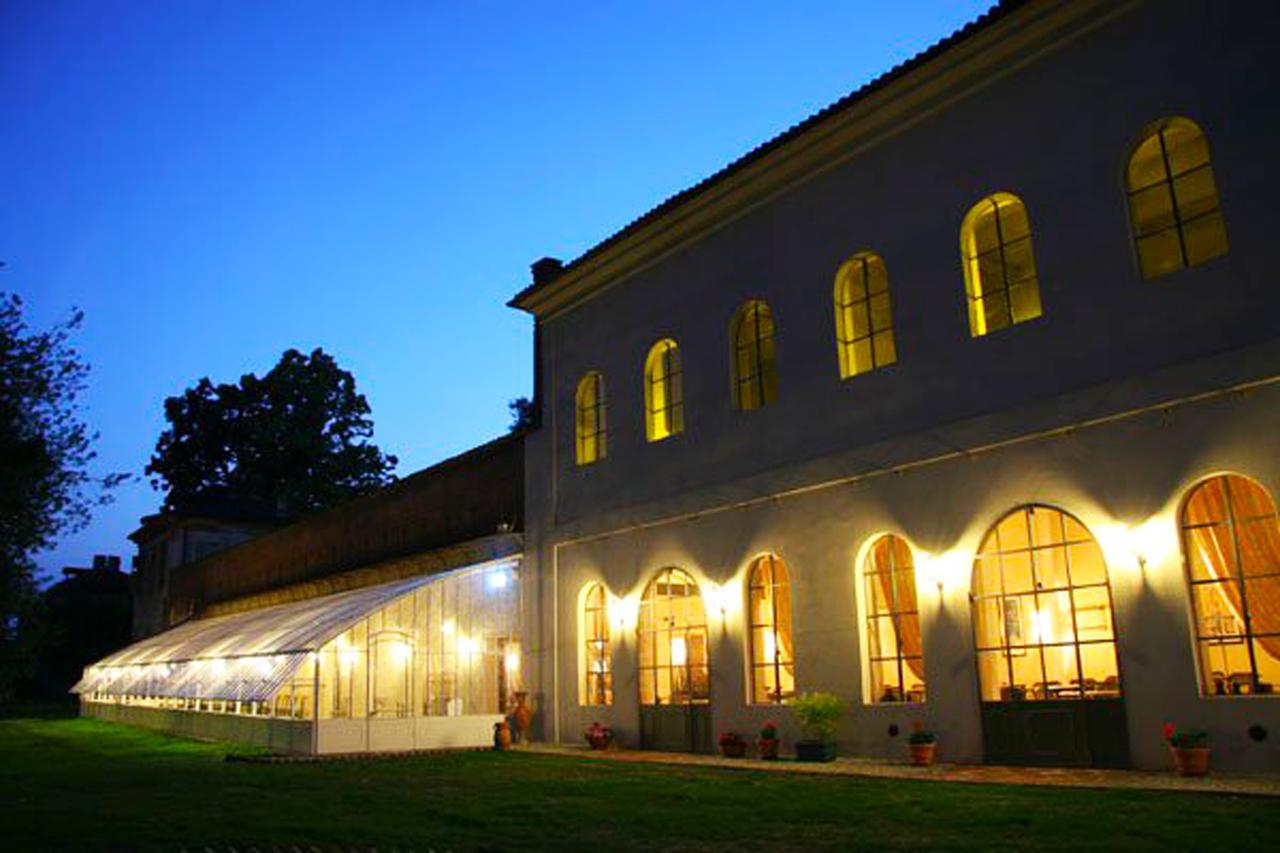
<point>214,182</point>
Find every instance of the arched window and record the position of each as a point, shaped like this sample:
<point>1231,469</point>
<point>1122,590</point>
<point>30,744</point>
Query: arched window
<point>1231,540</point>
<point>1173,200</point>
<point>755,378</point>
<point>864,320</point>
<point>597,657</point>
<point>999,268</point>
<point>672,633</point>
<point>591,421</point>
<point>1042,611</point>
<point>663,391</point>
<point>895,654</point>
<point>773,669</point>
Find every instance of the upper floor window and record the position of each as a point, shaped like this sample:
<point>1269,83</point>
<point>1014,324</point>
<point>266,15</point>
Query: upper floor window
<point>999,268</point>
<point>864,321</point>
<point>773,668</point>
<point>1173,201</point>
<point>895,655</point>
<point>1231,539</point>
<point>755,377</point>
<point>590,422</point>
<point>597,659</point>
<point>663,391</point>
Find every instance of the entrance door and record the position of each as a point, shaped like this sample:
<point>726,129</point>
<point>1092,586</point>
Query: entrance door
<point>674,670</point>
<point>1045,639</point>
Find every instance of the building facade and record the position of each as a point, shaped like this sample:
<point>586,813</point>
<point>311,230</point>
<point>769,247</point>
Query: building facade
<point>958,401</point>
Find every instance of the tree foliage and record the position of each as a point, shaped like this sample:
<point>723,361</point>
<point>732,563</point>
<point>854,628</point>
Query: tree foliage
<point>523,414</point>
<point>46,489</point>
<point>297,437</point>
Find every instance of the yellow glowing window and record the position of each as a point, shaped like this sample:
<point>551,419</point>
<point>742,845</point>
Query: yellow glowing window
<point>999,268</point>
<point>663,392</point>
<point>755,378</point>
<point>1042,615</point>
<point>1231,541</point>
<point>895,655</point>
<point>591,420</point>
<point>597,659</point>
<point>672,636</point>
<point>864,319</point>
<point>773,668</point>
<point>1173,200</point>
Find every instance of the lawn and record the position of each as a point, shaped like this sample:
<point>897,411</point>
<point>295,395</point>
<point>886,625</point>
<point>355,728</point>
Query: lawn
<point>87,785</point>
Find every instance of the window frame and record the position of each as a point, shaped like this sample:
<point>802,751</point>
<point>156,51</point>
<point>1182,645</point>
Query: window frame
<point>597,412</point>
<point>976,290</point>
<point>781,662</point>
<point>762,380</point>
<point>665,421</point>
<point>596,644</point>
<point>845,304</point>
<point>870,616</point>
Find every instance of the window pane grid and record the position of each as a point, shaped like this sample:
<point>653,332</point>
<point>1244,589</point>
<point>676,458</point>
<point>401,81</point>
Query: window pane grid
<point>664,393</point>
<point>1038,640</point>
<point>674,668</point>
<point>1234,580</point>
<point>590,425</point>
<point>894,652</point>
<point>771,649</point>
<point>1001,281</point>
<point>1173,200</point>
<point>599,675</point>
<point>864,323</point>
<point>755,377</point>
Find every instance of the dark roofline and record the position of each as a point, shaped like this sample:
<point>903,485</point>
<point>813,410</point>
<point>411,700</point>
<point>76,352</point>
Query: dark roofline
<point>1000,10</point>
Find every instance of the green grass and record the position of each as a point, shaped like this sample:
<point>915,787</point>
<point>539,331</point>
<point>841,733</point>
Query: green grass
<point>83,784</point>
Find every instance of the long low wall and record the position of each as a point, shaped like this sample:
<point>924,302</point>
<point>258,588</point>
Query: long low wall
<point>410,733</point>
<point>282,736</point>
<point>294,737</point>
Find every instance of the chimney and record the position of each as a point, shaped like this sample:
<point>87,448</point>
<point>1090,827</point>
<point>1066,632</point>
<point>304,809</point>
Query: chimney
<point>546,270</point>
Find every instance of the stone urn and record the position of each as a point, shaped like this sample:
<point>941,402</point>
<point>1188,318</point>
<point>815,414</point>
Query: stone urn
<point>522,716</point>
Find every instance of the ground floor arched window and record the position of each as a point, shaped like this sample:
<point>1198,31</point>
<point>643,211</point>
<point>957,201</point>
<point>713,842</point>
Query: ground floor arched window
<point>1231,539</point>
<point>1043,624</point>
<point>895,655</point>
<point>672,635</point>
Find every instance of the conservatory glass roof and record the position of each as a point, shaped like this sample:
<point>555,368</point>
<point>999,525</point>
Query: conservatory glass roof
<point>243,656</point>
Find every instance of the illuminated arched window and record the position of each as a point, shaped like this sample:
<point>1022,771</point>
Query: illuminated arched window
<point>1042,618</point>
<point>1173,200</point>
<point>591,420</point>
<point>663,392</point>
<point>864,320</point>
<point>672,635</point>
<point>895,655</point>
<point>597,657</point>
<point>755,378</point>
<point>773,669</point>
<point>1231,540</point>
<point>999,268</point>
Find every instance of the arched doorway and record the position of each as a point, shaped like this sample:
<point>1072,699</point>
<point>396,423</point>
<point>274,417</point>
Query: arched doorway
<point>674,668</point>
<point>1044,634</point>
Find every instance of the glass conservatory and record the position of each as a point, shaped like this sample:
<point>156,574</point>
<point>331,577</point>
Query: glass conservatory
<point>420,663</point>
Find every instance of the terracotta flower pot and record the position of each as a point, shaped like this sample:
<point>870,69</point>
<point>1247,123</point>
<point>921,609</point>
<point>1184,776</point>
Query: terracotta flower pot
<point>522,715</point>
<point>922,753</point>
<point>733,750</point>
<point>1193,761</point>
<point>501,735</point>
<point>768,748</point>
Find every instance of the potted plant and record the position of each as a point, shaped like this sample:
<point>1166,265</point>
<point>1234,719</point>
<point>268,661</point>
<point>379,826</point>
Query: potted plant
<point>733,745</point>
<point>922,745</point>
<point>768,742</point>
<point>818,714</point>
<point>598,736</point>
<point>1190,749</point>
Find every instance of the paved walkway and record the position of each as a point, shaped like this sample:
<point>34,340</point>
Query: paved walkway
<point>1261,785</point>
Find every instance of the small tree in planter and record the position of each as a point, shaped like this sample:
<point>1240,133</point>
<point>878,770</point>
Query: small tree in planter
<point>768,743</point>
<point>818,714</point>
<point>922,745</point>
<point>1190,749</point>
